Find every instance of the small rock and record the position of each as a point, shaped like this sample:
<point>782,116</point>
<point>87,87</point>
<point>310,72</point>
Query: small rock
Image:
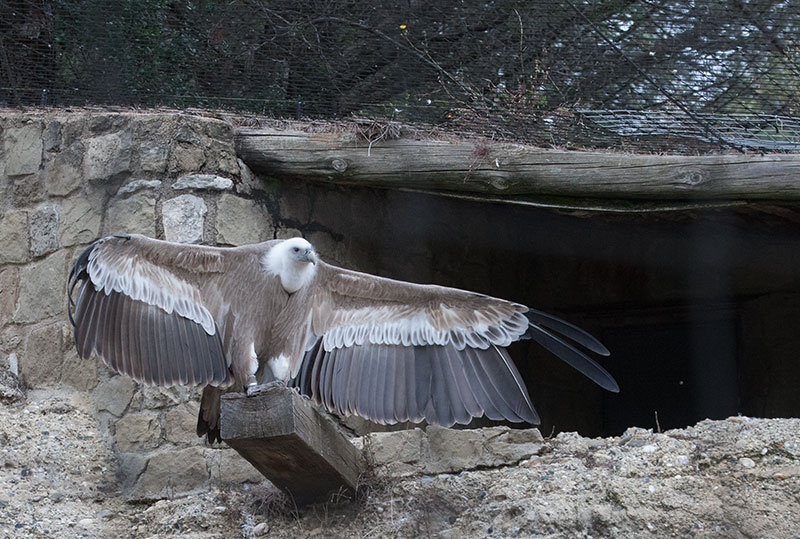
<point>106,514</point>
<point>260,529</point>
<point>650,448</point>
<point>203,181</point>
<point>747,462</point>
<point>137,185</point>
<point>85,522</point>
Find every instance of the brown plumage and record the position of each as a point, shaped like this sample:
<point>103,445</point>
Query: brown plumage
<point>386,350</point>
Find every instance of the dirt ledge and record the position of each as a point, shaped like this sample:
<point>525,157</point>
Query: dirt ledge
<point>734,478</point>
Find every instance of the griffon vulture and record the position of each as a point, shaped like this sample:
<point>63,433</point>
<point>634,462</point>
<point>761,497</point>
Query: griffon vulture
<point>229,318</point>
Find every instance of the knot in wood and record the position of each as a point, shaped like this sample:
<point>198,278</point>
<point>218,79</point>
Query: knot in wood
<point>695,177</point>
<point>501,184</point>
<point>339,165</point>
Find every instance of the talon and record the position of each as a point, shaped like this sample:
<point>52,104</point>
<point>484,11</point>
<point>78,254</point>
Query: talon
<point>252,385</point>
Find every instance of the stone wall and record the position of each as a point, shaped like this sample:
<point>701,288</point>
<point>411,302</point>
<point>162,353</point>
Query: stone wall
<point>67,179</point>
<point>679,298</point>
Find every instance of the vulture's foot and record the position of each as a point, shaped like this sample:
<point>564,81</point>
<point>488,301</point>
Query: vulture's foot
<point>253,387</point>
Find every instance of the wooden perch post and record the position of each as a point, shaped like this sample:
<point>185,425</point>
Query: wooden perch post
<point>289,441</point>
<point>502,169</point>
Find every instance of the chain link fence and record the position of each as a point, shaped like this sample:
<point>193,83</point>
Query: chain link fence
<point>678,76</point>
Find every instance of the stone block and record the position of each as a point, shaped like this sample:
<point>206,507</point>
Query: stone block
<point>241,221</point>
<point>80,220</point>
<point>188,134</point>
<point>107,123</point>
<point>138,185</point>
<point>153,397</point>
<point>5,184</point>
<point>114,395</point>
<point>222,157</point>
<point>41,363</point>
<point>27,190</point>
<point>41,291</point>
<point>135,214</point>
<point>62,173</point>
<point>287,233</point>
<point>515,445</point>
<point>43,230</point>
<point>400,453</point>
<point>153,156</point>
<point>203,181</point>
<point>138,432</point>
<point>186,157</point>
<point>9,289</point>
<point>442,450</point>
<point>248,182</point>
<point>10,339</point>
<point>22,148</point>
<point>130,468</point>
<point>107,156</point>
<point>451,450</point>
<point>184,218</point>
<point>51,137</point>
<point>226,466</point>
<point>180,424</point>
<point>169,473</point>
<point>78,373</point>
<point>14,237</point>
<point>73,129</point>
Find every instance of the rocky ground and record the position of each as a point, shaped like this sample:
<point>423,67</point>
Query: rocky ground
<point>733,478</point>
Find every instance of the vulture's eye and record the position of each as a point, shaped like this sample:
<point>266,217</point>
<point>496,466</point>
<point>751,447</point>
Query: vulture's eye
<point>296,249</point>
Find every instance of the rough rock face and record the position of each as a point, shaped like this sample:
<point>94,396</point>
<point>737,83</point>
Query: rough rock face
<point>66,179</point>
<point>735,478</point>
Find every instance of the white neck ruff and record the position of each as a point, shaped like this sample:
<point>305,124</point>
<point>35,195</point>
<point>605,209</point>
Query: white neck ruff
<point>293,275</point>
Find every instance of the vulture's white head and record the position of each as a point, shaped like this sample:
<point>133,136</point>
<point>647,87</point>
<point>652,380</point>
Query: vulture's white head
<point>294,261</point>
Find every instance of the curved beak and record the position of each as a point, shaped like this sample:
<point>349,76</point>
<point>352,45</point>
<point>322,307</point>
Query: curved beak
<point>310,256</point>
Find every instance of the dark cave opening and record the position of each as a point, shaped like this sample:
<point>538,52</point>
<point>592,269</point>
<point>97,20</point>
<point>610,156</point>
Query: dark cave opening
<point>699,307</point>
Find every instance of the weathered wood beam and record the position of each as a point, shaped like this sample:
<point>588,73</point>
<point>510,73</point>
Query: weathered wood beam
<point>290,442</point>
<point>504,169</point>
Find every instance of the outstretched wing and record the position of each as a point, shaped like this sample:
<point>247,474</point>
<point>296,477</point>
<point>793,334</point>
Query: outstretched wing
<point>137,308</point>
<point>392,351</point>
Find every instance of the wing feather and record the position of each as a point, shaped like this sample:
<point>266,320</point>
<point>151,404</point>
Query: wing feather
<point>340,375</point>
<point>165,341</point>
<point>113,313</point>
<point>423,384</point>
<point>149,361</point>
<point>425,352</point>
<point>326,379</point>
<point>580,336</point>
<point>574,357</point>
<point>398,382</point>
<point>480,387</point>
<point>441,393</point>
<point>458,376</point>
<point>387,395</point>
